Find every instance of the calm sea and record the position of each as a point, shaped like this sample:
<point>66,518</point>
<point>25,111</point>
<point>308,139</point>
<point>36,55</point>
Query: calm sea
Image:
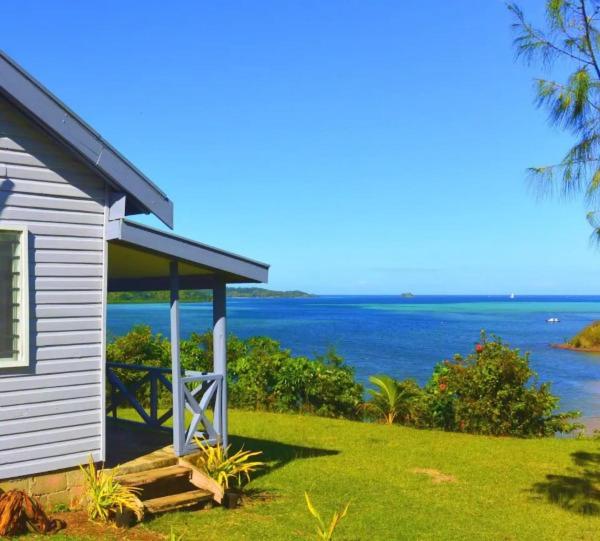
<point>406,337</point>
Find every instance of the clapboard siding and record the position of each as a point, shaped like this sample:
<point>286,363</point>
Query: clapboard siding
<point>50,414</point>
<point>11,413</point>
<point>15,441</point>
<point>68,323</point>
<point>53,283</point>
<point>24,200</point>
<point>66,460</point>
<point>39,424</point>
<point>49,450</point>
<point>15,185</point>
<point>16,398</point>
<point>42,242</point>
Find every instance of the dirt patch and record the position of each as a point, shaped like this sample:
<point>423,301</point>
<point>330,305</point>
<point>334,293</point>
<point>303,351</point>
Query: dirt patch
<point>436,476</point>
<point>78,525</point>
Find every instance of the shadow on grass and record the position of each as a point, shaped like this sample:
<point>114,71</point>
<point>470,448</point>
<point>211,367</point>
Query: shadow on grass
<point>580,492</point>
<point>277,454</point>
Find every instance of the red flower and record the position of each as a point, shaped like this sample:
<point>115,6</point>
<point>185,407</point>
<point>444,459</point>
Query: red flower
<point>443,386</point>
<point>478,348</point>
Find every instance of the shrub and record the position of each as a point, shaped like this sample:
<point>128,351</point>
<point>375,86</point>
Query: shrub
<point>261,374</point>
<point>222,466</point>
<point>105,495</point>
<point>493,391</point>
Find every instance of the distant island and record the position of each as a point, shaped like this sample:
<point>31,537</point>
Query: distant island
<point>407,295</point>
<point>587,340</point>
<point>202,295</point>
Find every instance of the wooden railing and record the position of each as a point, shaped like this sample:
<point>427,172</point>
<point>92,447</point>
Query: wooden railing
<point>198,392</point>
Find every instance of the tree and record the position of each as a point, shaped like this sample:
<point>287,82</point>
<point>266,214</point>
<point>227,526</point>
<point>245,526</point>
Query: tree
<point>569,43</point>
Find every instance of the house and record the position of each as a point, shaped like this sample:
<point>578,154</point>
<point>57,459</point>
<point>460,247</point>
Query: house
<point>66,241</point>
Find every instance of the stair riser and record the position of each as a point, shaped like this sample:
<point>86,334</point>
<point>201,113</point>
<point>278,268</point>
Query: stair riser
<point>166,487</point>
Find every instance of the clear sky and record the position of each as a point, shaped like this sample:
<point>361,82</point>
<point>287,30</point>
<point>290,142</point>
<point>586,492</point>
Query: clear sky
<point>356,146</point>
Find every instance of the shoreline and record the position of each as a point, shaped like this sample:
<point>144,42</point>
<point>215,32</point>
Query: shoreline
<point>569,347</point>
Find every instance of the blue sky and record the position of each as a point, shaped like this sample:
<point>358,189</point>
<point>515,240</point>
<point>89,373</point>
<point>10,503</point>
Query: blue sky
<point>358,147</point>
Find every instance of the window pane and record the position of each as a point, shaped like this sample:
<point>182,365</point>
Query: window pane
<point>9,294</point>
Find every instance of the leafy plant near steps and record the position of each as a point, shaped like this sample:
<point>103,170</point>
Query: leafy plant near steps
<point>325,532</point>
<point>223,467</point>
<point>105,495</point>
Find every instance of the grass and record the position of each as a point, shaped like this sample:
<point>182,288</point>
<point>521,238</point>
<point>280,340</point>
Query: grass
<point>403,484</point>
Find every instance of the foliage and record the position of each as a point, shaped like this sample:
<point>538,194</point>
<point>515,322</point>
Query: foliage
<point>261,374</point>
<point>493,391</point>
<point>588,337</point>
<point>393,399</point>
<point>222,466</point>
<point>325,531</point>
<point>106,496</point>
<point>569,42</point>
<point>19,512</point>
<point>200,295</point>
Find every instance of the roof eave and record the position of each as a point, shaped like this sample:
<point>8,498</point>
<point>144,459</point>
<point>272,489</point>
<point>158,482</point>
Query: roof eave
<point>180,248</point>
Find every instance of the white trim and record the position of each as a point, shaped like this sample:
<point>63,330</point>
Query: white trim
<point>24,285</point>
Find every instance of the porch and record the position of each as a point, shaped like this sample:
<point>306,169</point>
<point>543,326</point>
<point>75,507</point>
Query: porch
<point>141,258</point>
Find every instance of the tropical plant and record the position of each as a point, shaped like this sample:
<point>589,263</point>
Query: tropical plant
<point>19,512</point>
<point>392,399</point>
<point>218,464</point>
<point>261,374</point>
<point>571,39</point>
<point>494,391</point>
<point>325,532</point>
<point>105,495</point>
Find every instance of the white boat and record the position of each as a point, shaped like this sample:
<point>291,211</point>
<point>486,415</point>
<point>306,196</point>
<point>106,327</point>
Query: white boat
<point>553,320</point>
<point>512,296</point>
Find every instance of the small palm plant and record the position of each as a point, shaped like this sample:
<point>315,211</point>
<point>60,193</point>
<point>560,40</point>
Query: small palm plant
<point>391,398</point>
<point>220,465</point>
<point>106,496</point>
<point>325,532</point>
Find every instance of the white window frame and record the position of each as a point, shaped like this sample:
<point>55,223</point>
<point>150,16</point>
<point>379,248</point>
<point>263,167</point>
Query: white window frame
<point>23,359</point>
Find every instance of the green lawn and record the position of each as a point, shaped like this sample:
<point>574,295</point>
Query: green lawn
<point>500,488</point>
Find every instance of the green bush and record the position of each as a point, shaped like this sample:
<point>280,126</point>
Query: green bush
<point>261,374</point>
<point>493,391</point>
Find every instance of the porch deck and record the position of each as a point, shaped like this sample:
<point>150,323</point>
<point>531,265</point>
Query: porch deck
<point>136,447</point>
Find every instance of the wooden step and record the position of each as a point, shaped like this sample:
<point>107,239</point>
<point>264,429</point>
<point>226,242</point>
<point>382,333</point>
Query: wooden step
<point>149,477</point>
<point>174,502</point>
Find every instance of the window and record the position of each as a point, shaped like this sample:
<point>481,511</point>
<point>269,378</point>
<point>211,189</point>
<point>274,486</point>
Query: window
<point>14,297</point>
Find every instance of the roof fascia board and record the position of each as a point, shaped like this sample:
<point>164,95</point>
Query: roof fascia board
<point>71,130</point>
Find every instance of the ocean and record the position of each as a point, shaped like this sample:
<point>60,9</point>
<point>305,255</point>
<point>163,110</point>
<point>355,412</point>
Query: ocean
<point>406,337</point>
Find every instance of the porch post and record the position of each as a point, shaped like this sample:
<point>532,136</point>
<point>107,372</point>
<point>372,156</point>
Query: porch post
<point>178,408</point>
<point>220,357</point>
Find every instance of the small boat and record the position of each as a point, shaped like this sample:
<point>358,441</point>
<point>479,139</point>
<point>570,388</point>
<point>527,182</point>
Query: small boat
<point>552,320</point>
<point>512,296</point>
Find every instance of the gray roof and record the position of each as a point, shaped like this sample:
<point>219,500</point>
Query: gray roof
<point>55,117</point>
<point>152,250</point>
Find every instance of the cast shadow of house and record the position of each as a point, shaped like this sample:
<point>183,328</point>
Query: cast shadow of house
<point>579,492</point>
<point>277,454</point>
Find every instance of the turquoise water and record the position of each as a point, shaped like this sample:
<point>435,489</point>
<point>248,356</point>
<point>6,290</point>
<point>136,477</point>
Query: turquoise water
<point>406,337</point>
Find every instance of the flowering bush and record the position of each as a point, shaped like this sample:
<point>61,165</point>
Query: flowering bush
<point>493,391</point>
